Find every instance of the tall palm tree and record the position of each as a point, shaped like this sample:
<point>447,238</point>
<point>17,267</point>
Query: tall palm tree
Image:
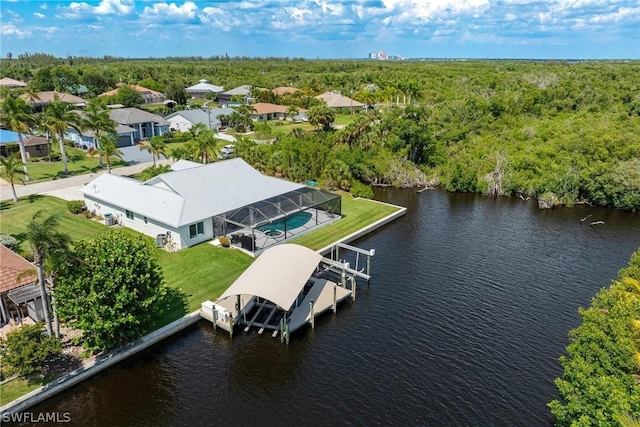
<point>61,117</point>
<point>206,147</point>
<point>16,117</point>
<point>321,116</point>
<point>195,130</point>
<point>109,148</point>
<point>156,146</point>
<point>44,129</point>
<point>10,171</point>
<point>44,241</point>
<point>97,119</point>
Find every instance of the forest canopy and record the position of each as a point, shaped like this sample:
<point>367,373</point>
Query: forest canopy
<point>561,132</point>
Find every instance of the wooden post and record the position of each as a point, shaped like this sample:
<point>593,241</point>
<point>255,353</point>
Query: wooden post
<point>230,325</point>
<point>312,320</point>
<point>334,298</point>
<point>286,327</point>
<point>215,318</point>
<point>281,331</point>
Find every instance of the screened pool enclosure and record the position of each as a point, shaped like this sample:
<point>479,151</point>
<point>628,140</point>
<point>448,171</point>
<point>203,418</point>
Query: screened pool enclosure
<point>257,226</point>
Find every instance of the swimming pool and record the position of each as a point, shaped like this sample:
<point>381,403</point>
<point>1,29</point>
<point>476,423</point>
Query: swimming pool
<point>294,221</point>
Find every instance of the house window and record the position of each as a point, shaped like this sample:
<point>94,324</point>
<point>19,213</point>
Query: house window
<point>130,215</point>
<point>196,230</point>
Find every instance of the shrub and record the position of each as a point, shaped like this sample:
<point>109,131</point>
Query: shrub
<point>68,143</point>
<point>9,241</point>
<point>27,349</point>
<point>76,207</point>
<point>224,241</point>
<point>28,255</point>
<point>359,189</point>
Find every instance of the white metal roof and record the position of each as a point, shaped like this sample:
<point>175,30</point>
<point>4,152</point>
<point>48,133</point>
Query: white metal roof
<point>184,164</point>
<point>204,86</point>
<point>278,275</point>
<point>191,194</point>
<point>156,203</point>
<point>131,115</point>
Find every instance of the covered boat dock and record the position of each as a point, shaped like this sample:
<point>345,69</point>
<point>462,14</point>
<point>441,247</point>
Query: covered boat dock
<point>287,287</point>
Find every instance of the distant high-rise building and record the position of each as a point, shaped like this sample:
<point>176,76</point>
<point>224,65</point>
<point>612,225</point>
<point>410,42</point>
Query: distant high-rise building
<point>382,55</point>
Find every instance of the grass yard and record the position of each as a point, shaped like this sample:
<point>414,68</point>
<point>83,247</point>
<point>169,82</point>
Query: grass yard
<point>357,214</point>
<point>15,388</point>
<point>78,163</point>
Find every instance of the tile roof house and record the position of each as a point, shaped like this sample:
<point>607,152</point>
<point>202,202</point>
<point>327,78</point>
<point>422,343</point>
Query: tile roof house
<point>182,121</point>
<point>195,203</point>
<point>202,89</point>
<point>150,96</point>
<point>264,111</point>
<point>281,90</point>
<point>9,82</point>
<point>17,294</point>
<point>43,99</point>
<point>339,102</point>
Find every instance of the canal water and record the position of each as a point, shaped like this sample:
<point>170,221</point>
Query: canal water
<point>462,325</point>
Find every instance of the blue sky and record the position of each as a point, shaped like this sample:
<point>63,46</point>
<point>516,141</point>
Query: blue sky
<point>324,28</point>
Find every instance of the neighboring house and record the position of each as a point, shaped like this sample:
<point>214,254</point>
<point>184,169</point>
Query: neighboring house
<point>36,146</point>
<point>340,102</point>
<point>196,203</point>
<point>132,125</point>
<point>264,111</point>
<point>243,92</point>
<point>281,90</point>
<point>202,89</point>
<point>150,96</point>
<point>11,83</point>
<point>182,121</point>
<point>42,100</point>
<point>18,298</point>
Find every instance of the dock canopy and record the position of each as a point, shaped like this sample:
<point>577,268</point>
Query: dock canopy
<point>278,275</point>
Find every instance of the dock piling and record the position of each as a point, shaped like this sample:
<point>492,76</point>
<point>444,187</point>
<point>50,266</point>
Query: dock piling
<point>312,314</point>
<point>335,305</point>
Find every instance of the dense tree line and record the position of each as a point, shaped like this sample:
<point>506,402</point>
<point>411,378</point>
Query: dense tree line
<point>562,132</point>
<point>601,381</point>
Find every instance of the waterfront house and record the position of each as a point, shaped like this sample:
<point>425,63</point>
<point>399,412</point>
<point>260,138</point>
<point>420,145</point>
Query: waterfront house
<point>196,203</point>
<point>263,111</point>
<point>19,292</point>
<point>203,89</point>
<point>150,96</point>
<point>182,121</point>
<point>340,102</point>
<point>36,146</point>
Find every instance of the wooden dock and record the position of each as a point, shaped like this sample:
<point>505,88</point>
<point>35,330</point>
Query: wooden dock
<point>322,296</point>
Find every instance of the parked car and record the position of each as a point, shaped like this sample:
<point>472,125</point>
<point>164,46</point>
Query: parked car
<point>227,151</point>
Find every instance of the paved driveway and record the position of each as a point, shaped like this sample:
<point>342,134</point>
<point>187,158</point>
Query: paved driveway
<point>134,155</point>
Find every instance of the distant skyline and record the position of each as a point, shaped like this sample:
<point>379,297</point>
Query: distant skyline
<point>558,29</point>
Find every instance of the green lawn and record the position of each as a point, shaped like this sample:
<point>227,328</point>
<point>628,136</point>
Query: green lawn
<point>357,214</point>
<point>15,388</point>
<point>78,163</point>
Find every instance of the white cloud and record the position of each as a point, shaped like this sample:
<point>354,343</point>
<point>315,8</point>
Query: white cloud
<point>510,17</point>
<point>188,11</point>
<point>114,7</point>
<point>44,6</point>
<point>12,30</point>
<point>38,15</point>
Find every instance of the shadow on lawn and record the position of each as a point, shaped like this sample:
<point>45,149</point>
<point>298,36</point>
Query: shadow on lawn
<point>173,306</point>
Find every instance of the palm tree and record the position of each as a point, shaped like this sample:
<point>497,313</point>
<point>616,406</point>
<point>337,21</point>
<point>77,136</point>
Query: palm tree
<point>156,146</point>
<point>44,241</point>
<point>11,172</point>
<point>245,109</point>
<point>292,111</point>
<point>61,117</point>
<point>205,146</point>
<point>321,116</point>
<point>109,148</point>
<point>16,117</point>
<point>97,119</point>
<point>195,130</point>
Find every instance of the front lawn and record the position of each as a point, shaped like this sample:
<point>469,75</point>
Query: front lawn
<point>78,163</point>
<point>17,387</point>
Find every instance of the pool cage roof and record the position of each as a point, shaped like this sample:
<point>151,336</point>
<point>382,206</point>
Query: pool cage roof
<point>266,211</point>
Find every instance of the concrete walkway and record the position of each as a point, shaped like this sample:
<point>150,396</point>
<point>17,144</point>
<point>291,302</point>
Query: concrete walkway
<point>59,186</point>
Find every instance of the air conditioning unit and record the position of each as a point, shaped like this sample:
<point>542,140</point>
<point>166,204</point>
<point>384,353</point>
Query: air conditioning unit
<point>161,240</point>
<point>109,220</point>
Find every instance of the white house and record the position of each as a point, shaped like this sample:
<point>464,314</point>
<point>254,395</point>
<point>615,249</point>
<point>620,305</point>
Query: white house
<point>202,89</point>
<point>182,121</point>
<point>195,203</point>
